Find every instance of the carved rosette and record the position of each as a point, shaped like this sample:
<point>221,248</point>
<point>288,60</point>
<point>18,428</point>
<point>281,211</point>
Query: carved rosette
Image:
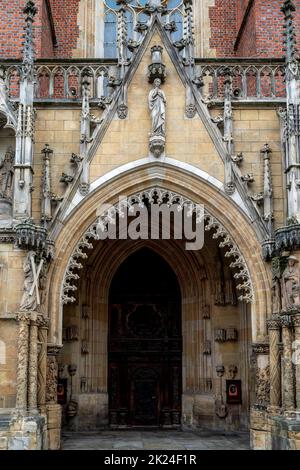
<point>158,195</point>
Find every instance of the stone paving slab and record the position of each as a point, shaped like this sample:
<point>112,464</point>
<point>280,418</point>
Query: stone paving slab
<point>155,440</point>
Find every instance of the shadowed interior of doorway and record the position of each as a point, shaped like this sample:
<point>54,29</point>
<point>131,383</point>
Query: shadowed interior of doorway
<point>144,343</point>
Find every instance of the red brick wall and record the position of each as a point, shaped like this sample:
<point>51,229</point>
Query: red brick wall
<point>241,6</point>
<point>247,44</point>
<point>261,36</point>
<point>270,27</point>
<point>65,13</point>
<point>43,33</point>
<point>223,19</point>
<point>11,25</point>
<point>47,46</point>
<point>11,29</point>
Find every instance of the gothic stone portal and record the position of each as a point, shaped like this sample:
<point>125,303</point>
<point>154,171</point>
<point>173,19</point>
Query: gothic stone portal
<point>145,344</point>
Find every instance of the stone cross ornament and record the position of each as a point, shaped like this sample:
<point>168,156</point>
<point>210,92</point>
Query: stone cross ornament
<point>31,296</point>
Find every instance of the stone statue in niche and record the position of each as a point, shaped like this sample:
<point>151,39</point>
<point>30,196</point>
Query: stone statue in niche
<point>291,285</point>
<point>6,174</point>
<point>29,300</point>
<point>276,296</point>
<point>42,286</point>
<point>157,106</point>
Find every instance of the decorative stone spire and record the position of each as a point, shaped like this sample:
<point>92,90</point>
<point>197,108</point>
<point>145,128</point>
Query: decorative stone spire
<point>122,37</point>
<point>288,9</point>
<point>85,132</point>
<point>46,186</point>
<point>290,119</point>
<point>189,53</point>
<point>228,131</point>
<point>30,12</point>
<point>268,189</point>
<point>189,24</point>
<point>26,120</point>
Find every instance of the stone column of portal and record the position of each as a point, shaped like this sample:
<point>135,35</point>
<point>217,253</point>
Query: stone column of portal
<point>288,399</point>
<point>33,363</point>
<point>296,361</point>
<point>53,409</point>
<point>42,362</point>
<point>23,351</point>
<point>274,326</point>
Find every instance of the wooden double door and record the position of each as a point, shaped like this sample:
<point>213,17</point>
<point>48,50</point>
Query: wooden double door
<point>145,366</point>
<point>144,343</point>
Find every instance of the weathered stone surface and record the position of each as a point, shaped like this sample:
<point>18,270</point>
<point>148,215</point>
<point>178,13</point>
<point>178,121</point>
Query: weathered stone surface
<point>54,426</point>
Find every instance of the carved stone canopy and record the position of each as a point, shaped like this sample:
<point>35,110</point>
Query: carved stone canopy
<point>158,196</point>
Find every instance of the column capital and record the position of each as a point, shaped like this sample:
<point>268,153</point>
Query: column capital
<point>274,323</point>
<point>260,348</point>
<point>286,320</point>
<point>53,349</point>
<point>42,322</point>
<point>24,317</point>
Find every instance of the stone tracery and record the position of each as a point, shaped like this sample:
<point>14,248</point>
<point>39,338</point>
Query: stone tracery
<point>157,195</point>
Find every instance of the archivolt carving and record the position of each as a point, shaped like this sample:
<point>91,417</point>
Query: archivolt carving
<point>157,196</point>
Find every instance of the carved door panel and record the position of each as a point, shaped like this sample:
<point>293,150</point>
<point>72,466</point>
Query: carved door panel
<point>145,364</point>
<point>144,402</point>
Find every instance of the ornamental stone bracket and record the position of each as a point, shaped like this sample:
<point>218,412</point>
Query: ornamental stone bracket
<point>33,237</point>
<point>158,196</point>
<point>285,239</point>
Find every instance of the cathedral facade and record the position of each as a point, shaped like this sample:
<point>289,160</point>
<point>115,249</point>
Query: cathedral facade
<point>118,109</point>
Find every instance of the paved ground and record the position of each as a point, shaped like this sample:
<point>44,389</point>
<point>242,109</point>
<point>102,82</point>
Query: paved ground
<point>155,440</point>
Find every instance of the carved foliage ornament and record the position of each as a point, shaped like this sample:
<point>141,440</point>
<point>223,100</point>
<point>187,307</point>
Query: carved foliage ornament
<point>159,196</point>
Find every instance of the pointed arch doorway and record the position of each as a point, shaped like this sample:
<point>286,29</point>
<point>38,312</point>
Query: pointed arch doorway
<point>144,343</point>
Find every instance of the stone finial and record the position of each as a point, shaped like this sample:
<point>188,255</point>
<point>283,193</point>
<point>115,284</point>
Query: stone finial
<point>290,42</point>
<point>30,12</point>
<point>268,189</point>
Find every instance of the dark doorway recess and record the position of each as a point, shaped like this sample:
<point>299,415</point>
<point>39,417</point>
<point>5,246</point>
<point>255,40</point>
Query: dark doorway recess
<point>145,343</point>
